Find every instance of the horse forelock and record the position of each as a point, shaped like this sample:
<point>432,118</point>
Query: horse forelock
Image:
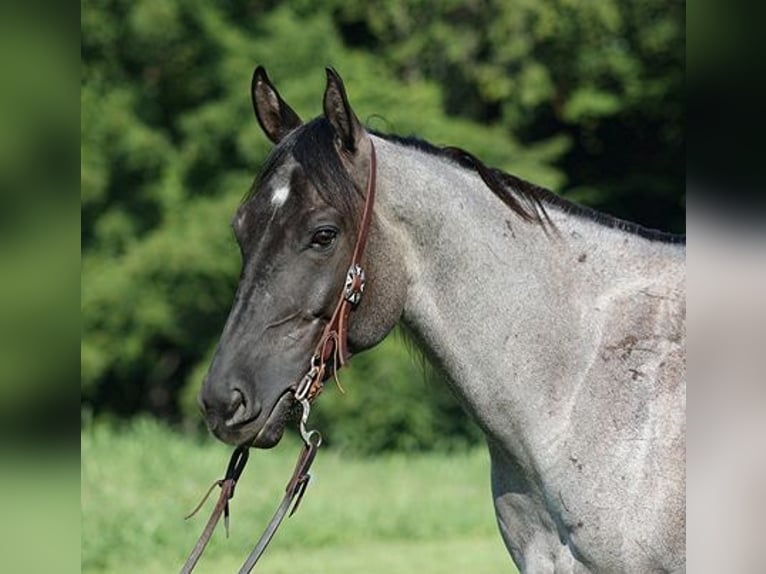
<point>312,147</point>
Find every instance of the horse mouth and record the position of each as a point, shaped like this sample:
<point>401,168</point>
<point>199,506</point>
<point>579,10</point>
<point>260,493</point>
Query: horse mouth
<point>274,427</point>
<point>257,432</point>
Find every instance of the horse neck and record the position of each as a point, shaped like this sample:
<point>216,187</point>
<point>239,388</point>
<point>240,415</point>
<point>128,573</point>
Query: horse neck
<point>504,309</point>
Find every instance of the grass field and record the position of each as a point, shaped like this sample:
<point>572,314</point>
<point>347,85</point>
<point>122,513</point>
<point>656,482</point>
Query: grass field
<point>427,513</point>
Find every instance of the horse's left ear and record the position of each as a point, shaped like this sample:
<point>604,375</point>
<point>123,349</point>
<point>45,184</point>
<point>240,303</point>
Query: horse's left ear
<point>277,119</point>
<point>337,110</point>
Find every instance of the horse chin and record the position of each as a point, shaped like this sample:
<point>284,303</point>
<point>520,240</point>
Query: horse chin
<point>272,430</point>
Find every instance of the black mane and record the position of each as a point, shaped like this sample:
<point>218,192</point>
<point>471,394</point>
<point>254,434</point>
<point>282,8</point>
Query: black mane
<point>525,198</point>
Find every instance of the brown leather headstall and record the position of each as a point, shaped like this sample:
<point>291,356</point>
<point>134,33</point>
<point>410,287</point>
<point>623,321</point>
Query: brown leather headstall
<point>330,354</point>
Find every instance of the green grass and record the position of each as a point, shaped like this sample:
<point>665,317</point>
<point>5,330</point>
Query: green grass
<point>39,520</point>
<point>398,513</point>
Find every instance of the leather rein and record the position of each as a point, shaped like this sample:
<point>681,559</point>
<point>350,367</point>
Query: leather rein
<point>330,354</point>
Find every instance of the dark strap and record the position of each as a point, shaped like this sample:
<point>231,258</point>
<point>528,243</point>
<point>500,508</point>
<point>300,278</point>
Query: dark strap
<point>293,492</point>
<point>336,332</point>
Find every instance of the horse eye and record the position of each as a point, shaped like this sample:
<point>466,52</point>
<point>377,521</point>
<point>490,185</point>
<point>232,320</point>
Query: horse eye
<point>324,237</point>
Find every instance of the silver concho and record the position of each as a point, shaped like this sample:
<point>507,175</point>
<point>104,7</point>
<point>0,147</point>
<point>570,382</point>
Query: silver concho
<point>354,287</point>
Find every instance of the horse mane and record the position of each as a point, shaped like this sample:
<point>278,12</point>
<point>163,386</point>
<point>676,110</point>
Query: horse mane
<point>527,199</point>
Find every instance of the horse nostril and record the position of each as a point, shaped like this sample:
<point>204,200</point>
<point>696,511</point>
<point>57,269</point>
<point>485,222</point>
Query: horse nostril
<point>237,403</point>
<point>238,411</point>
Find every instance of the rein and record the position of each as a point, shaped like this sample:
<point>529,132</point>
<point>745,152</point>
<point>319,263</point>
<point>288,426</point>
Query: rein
<point>331,351</point>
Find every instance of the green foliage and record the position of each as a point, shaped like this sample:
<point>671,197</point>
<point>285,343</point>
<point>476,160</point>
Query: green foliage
<point>582,98</point>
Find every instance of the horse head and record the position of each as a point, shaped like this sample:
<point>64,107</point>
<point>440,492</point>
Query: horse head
<point>296,231</point>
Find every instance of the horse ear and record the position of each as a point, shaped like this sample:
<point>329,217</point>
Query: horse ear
<point>338,111</point>
<point>276,118</point>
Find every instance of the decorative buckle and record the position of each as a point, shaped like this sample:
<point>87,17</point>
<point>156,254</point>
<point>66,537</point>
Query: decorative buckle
<point>354,287</point>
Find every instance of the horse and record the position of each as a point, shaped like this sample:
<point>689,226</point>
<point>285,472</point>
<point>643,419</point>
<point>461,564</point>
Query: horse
<point>560,330</point>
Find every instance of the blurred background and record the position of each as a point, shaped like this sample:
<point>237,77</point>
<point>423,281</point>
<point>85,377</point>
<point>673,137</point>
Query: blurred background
<point>39,287</point>
<point>586,99</point>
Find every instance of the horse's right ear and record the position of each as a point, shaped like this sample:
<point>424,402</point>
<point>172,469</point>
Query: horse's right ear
<point>276,118</point>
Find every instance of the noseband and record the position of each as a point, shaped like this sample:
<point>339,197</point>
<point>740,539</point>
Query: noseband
<point>330,354</point>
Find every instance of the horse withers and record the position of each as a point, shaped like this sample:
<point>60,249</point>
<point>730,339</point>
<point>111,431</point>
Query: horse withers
<point>560,330</point>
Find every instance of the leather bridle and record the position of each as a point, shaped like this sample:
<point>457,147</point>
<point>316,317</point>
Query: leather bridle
<point>330,354</point>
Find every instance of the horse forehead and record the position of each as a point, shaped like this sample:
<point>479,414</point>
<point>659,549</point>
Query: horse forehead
<point>280,209</point>
<point>285,181</point>
<point>282,193</point>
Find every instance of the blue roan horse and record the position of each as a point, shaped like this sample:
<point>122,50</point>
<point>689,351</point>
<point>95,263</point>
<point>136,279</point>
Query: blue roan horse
<point>560,330</point>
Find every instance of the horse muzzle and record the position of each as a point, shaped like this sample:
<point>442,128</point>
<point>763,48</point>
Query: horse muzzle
<point>238,418</point>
